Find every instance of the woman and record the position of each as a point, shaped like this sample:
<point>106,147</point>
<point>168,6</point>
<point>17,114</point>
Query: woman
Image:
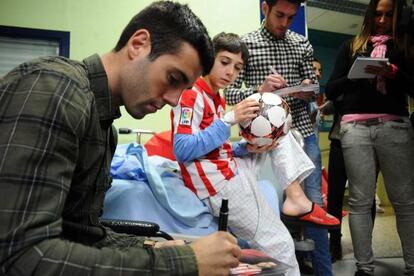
<point>375,130</point>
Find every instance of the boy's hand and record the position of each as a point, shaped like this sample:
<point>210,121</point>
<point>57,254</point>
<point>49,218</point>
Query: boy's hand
<point>245,110</point>
<point>259,149</point>
<point>216,254</point>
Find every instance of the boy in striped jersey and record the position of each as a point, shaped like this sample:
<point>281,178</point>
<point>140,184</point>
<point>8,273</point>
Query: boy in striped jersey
<point>214,169</point>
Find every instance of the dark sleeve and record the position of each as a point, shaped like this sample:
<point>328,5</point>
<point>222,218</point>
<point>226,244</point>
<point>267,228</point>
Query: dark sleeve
<point>338,81</point>
<point>43,118</point>
<point>404,79</point>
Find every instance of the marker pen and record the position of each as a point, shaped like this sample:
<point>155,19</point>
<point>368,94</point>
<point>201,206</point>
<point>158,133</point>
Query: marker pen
<point>272,69</point>
<point>223,216</point>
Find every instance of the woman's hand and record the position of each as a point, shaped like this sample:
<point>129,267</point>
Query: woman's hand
<point>380,71</point>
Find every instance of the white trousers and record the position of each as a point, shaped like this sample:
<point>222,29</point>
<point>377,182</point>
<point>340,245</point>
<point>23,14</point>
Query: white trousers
<point>250,216</point>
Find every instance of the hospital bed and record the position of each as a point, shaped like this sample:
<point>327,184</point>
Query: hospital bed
<point>147,186</point>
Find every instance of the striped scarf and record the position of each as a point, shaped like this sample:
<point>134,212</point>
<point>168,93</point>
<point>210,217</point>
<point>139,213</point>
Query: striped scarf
<point>380,48</point>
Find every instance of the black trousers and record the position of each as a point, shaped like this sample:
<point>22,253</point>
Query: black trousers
<point>336,186</point>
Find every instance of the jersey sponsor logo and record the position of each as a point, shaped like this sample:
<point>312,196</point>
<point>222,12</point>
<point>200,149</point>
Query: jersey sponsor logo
<point>186,116</point>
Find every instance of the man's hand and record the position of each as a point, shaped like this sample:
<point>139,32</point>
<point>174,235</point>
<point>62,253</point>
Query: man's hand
<point>216,254</point>
<point>304,96</point>
<point>272,82</point>
<point>259,149</point>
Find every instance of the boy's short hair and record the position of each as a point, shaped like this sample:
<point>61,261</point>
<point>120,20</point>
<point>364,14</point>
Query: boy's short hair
<point>315,59</point>
<point>170,24</point>
<point>232,43</point>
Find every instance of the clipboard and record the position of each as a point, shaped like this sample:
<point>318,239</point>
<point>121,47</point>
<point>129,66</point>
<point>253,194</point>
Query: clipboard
<point>357,70</point>
<point>309,88</point>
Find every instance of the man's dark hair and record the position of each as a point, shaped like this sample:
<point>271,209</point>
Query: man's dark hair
<point>170,24</point>
<point>271,3</point>
<point>232,43</point>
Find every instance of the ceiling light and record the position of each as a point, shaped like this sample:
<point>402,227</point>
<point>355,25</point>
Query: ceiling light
<point>349,7</point>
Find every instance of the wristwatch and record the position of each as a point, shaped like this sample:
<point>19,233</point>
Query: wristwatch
<point>149,243</point>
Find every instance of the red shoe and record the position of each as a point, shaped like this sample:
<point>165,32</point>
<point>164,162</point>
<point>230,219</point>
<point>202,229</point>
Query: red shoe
<point>316,217</point>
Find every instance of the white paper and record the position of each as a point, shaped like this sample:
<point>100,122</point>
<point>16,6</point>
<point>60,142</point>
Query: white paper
<point>311,88</point>
<point>357,70</point>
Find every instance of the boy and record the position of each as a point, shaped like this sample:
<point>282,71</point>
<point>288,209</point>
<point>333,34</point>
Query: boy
<point>212,172</point>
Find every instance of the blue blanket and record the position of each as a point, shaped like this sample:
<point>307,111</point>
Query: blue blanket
<point>131,163</point>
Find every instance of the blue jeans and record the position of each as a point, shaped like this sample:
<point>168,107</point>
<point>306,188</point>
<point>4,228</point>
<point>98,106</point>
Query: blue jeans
<point>321,258</point>
<point>313,182</point>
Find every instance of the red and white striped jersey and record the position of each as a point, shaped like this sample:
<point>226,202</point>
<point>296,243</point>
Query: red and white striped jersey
<point>197,109</point>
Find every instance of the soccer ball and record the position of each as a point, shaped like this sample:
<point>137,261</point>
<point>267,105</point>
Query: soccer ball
<point>272,122</point>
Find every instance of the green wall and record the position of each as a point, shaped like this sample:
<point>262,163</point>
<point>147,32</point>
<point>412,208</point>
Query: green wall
<point>326,46</point>
<point>95,26</point>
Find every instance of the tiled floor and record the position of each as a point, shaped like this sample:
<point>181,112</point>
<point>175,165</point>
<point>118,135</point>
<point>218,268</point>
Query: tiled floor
<point>385,243</point>
<point>386,246</point>
<point>383,267</point>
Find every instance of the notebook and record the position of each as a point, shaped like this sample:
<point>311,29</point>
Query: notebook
<point>254,262</point>
<point>357,70</point>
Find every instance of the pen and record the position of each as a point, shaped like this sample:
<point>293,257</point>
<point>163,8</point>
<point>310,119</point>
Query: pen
<point>280,78</point>
<point>272,69</point>
<point>224,213</point>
